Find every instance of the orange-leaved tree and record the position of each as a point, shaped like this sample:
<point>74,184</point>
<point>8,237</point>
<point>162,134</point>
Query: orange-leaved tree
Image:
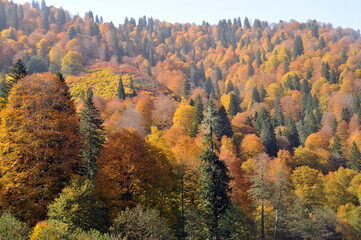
<point>39,145</point>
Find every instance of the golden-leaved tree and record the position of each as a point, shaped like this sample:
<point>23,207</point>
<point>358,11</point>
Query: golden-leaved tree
<point>39,145</point>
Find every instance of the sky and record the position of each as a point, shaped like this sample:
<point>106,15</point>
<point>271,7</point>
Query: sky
<point>345,13</point>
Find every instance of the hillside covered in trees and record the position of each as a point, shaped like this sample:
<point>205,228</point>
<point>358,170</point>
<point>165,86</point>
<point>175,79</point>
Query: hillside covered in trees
<point>157,130</point>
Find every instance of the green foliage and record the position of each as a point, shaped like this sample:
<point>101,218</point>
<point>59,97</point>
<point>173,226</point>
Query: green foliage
<point>225,128</point>
<point>214,178</point>
<point>355,158</point>
<point>233,108</point>
<point>297,47</point>
<point>76,206</point>
<point>140,223</point>
<point>255,96</point>
<point>92,133</point>
<point>292,133</point>
<point>11,227</point>
<point>266,130</point>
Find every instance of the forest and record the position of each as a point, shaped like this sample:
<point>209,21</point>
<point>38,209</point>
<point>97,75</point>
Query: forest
<point>156,130</point>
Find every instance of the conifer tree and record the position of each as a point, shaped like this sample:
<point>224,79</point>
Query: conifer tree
<point>230,87</point>
<point>92,135</point>
<point>262,93</point>
<point>267,134</point>
<point>214,178</point>
<point>345,115</point>
<point>3,23</point>
<point>225,128</point>
<point>233,105</point>
<point>255,96</point>
<point>250,69</point>
<point>198,115</point>
<point>297,47</point>
<point>121,91</point>
<point>355,158</point>
<point>17,72</point>
<point>292,133</point>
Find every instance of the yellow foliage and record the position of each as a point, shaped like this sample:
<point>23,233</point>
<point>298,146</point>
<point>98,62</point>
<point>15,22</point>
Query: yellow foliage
<point>103,82</point>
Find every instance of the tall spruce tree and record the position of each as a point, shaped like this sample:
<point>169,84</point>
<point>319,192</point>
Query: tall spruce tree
<point>233,105</point>
<point>225,128</point>
<point>292,133</point>
<point>297,47</point>
<point>355,158</point>
<point>121,91</point>
<point>92,133</point>
<point>266,132</point>
<point>255,96</point>
<point>198,115</point>
<point>214,177</point>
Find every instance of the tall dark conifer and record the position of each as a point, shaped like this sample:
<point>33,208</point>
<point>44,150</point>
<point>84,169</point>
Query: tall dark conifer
<point>121,91</point>
<point>92,135</point>
<point>355,158</point>
<point>214,177</point>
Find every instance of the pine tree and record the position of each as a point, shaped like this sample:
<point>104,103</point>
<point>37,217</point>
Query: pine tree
<point>246,23</point>
<point>255,96</point>
<point>250,69</point>
<point>198,115</point>
<point>92,133</point>
<point>229,87</point>
<point>345,115</point>
<point>121,91</point>
<point>267,134</point>
<point>17,72</point>
<point>214,178</point>
<point>233,108</point>
<point>355,158</point>
<point>325,70</point>
<point>262,93</point>
<point>292,133</point>
<point>297,47</point>
<point>225,128</point>
<point>322,43</point>
<point>3,23</point>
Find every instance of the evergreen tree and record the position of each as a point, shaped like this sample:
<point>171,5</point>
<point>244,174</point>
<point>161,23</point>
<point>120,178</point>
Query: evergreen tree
<point>325,70</point>
<point>262,93</point>
<point>229,87</point>
<point>255,96</point>
<point>121,91</point>
<point>3,23</point>
<point>198,115</point>
<point>92,133</point>
<point>218,74</point>
<point>267,134</point>
<point>297,47</point>
<point>333,77</point>
<point>194,74</point>
<point>132,87</point>
<point>225,128</point>
<point>186,88</point>
<point>286,66</point>
<point>322,43</point>
<point>246,23</point>
<point>335,148</point>
<point>250,69</point>
<point>17,72</point>
<point>355,158</point>
<point>292,133</point>
<point>345,115</point>
<point>233,108</point>
<point>214,178</point>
